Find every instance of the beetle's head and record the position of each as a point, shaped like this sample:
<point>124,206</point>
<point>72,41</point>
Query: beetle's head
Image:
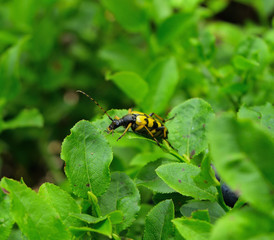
<point>114,124</point>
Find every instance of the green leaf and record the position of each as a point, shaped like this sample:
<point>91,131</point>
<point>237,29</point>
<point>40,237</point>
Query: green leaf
<point>119,56</point>
<point>261,114</point>
<point>206,177</point>
<point>243,156</point>
<point>179,176</point>
<point>131,84</point>
<point>87,155</point>
<point>103,227</point>
<point>6,220</point>
<point>188,128</point>
<point>122,195</point>
<point>116,217</point>
<point>62,202</point>
<point>9,71</point>
<point>206,44</point>
<point>26,118</point>
<point>162,79</point>
<point>243,63</point>
<point>158,221</point>
<point>245,223</point>
<point>214,209</point>
<point>148,178</point>
<point>193,229</point>
<point>254,51</point>
<point>87,218</point>
<point>174,26</point>
<point>201,215</point>
<point>131,16</point>
<point>144,158</point>
<point>34,216</point>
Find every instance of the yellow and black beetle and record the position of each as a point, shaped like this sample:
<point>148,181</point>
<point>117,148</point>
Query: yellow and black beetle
<point>151,126</point>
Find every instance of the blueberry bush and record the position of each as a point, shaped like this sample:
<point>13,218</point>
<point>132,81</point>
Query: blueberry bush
<point>205,65</point>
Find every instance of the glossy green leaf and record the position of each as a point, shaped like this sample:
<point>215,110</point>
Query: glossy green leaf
<point>26,118</point>
<point>62,202</point>
<point>245,161</point>
<point>214,209</point>
<point>193,229</point>
<point>122,195</point>
<point>33,214</point>
<point>174,26</point>
<point>87,155</point>
<point>131,16</point>
<point>6,220</point>
<point>179,176</point>
<point>162,79</point>
<point>158,221</point>
<point>188,128</point>
<point>131,84</point>
<point>243,224</point>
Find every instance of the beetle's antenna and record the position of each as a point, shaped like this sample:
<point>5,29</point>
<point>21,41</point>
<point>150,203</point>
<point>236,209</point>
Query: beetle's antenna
<point>96,104</point>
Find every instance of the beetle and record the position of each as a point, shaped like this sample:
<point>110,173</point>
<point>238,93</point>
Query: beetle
<point>149,125</point>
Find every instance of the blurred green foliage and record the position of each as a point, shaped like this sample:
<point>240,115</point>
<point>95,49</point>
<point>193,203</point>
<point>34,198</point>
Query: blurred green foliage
<point>151,55</point>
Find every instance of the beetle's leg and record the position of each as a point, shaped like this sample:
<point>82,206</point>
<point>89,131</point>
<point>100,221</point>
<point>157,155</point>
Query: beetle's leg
<point>152,135</point>
<point>139,128</point>
<point>160,118</point>
<point>157,116</point>
<point>171,118</point>
<point>129,110</point>
<point>168,143</point>
<point>116,117</point>
<point>128,126</point>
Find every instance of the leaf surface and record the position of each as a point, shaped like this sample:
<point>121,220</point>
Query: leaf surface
<point>62,202</point>
<point>193,229</point>
<point>243,156</point>
<point>162,79</point>
<point>122,195</point>
<point>188,128</point>
<point>179,176</point>
<point>34,216</point>
<point>131,84</point>
<point>87,155</point>
<point>158,221</point>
